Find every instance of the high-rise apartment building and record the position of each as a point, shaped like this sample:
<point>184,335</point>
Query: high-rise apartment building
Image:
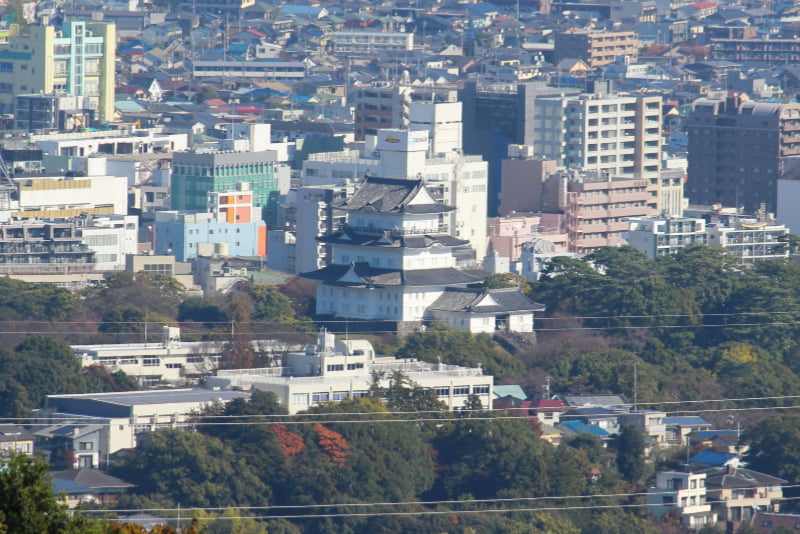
<point>496,116</point>
<point>77,59</point>
<point>737,150</point>
<point>605,133</point>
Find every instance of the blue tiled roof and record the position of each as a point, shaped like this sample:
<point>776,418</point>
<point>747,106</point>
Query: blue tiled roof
<point>709,434</point>
<point>712,458</point>
<point>583,428</point>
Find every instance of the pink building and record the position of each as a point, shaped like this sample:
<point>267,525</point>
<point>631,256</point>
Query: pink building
<point>597,207</point>
<point>508,234</point>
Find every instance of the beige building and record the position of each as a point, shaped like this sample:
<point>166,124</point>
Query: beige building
<point>596,47</point>
<point>78,59</point>
<point>168,361</point>
<point>738,492</point>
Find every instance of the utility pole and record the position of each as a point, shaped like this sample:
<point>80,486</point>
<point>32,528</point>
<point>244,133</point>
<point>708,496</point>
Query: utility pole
<point>635,386</point>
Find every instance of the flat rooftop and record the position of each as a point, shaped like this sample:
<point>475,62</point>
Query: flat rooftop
<point>170,396</point>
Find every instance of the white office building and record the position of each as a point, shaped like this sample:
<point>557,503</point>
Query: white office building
<point>658,236</point>
<point>168,361</point>
<point>333,371</point>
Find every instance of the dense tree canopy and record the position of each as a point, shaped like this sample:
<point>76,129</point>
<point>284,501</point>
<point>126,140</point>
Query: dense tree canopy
<point>775,447</point>
<point>177,466</point>
<point>28,503</point>
<point>459,347</point>
<point>42,366</point>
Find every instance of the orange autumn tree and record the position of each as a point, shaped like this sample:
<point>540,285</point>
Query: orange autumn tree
<point>291,444</point>
<point>333,443</point>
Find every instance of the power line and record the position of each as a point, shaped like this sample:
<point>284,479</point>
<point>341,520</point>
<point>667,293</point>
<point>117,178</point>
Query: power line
<point>343,321</point>
<point>189,422</point>
<point>228,334</point>
<point>435,512</point>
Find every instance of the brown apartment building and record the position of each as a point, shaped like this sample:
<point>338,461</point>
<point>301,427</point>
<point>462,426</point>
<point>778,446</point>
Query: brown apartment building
<point>596,47</point>
<point>773,51</point>
<point>737,149</point>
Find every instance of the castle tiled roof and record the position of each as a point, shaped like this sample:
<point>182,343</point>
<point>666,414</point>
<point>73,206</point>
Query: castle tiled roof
<point>482,300</point>
<point>390,195</point>
<point>362,274</point>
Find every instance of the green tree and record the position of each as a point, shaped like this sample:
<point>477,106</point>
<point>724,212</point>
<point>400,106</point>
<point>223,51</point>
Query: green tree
<point>20,300</point>
<point>229,522</point>
<point>460,347</point>
<point>201,310</point>
<point>157,293</point>
<point>28,503</point>
<point>178,466</point>
<point>491,458</point>
<point>207,92</point>
<point>501,280</point>
<point>711,529</point>
<point>386,462</point>
<point>569,471</point>
<point>775,447</point>
<point>630,454</point>
<point>123,320</point>
<point>269,304</point>
<point>36,367</point>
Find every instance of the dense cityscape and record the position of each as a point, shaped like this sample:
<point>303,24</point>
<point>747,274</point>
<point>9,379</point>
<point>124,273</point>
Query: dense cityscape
<point>413,266</point>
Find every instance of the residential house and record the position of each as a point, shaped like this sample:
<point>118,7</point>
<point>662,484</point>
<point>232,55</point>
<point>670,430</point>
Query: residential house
<point>604,418</point>
<point>84,485</point>
<point>684,492</point>
<point>727,440</point>
<point>571,429</point>
<point>649,422</point>
<point>72,445</point>
<point>737,493</point>
<point>679,427</point>
<point>547,411</point>
<point>15,438</point>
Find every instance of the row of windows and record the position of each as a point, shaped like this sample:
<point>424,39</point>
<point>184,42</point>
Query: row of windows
<point>341,366</point>
<point>325,396</point>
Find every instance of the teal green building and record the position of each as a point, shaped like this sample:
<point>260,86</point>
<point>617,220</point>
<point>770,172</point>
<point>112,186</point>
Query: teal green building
<point>195,174</point>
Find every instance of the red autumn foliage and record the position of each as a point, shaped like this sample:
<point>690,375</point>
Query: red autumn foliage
<point>333,443</point>
<point>291,444</point>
